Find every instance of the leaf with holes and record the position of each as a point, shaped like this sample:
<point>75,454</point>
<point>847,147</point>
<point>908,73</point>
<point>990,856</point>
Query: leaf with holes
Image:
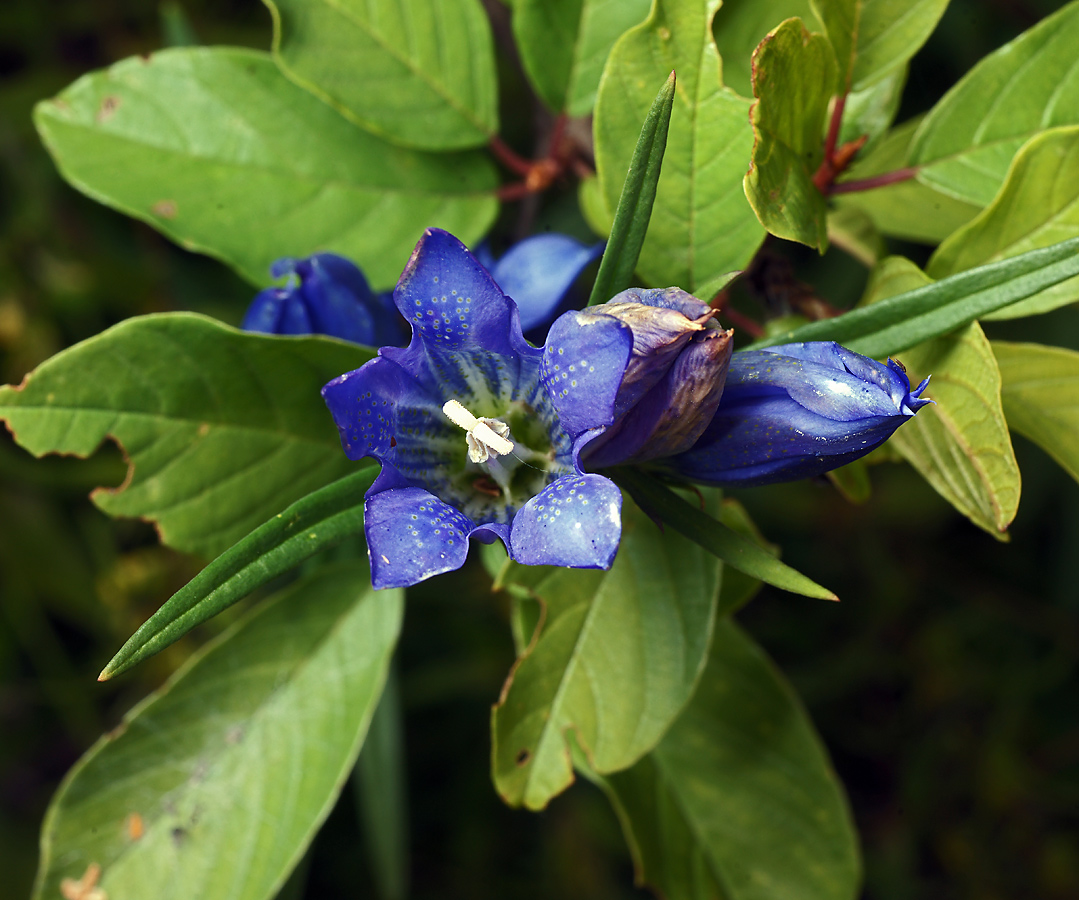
<point>565,43</point>
<point>218,150</point>
<point>738,800</point>
<point>965,145</point>
<point>1037,206</point>
<point>792,74</point>
<point>215,785</point>
<point>421,73</point>
<point>222,429</point>
<point>702,226</point>
<point>616,658</point>
<point>960,445</point>
<point>1041,397</point>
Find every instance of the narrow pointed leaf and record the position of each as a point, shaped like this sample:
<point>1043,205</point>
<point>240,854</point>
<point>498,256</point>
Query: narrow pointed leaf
<point>219,151</point>
<point>966,143</point>
<point>911,318</point>
<point>313,523</point>
<point>635,203</point>
<point>616,659</point>
<point>215,785</point>
<point>738,551</point>
<point>420,73</point>
<point>702,227</point>
<point>1041,397</point>
<point>1038,206</point>
<point>739,799</point>
<point>222,429</point>
<point>793,74</point>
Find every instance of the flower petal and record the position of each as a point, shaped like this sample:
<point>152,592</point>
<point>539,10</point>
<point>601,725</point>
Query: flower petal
<point>412,535</point>
<point>538,272</point>
<point>574,521</point>
<point>584,360</point>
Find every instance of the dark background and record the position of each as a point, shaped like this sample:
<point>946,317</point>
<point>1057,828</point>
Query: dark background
<point>944,684</point>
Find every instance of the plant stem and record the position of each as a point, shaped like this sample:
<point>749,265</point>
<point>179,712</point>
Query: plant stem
<point>875,181</point>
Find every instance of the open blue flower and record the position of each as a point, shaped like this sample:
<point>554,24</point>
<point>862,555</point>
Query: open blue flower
<point>797,410</point>
<point>470,442</point>
<point>538,274</point>
<point>326,294</point>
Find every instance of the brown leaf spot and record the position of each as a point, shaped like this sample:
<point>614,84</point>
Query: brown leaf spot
<point>166,209</point>
<point>84,888</point>
<point>523,756</point>
<point>107,110</point>
<point>134,826</point>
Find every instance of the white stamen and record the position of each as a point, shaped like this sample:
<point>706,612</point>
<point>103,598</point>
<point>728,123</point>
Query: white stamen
<point>486,437</point>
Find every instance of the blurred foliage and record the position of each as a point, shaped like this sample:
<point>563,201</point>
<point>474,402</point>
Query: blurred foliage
<point>945,683</point>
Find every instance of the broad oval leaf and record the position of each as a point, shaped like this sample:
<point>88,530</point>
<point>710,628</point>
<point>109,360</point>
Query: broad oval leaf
<point>218,150</point>
<point>615,660</point>
<point>739,800</point>
<point>1037,206</point>
<point>793,74</point>
<point>961,444</point>
<point>565,43</point>
<point>214,785</point>
<point>702,226</point>
<point>907,209</point>
<point>419,72</point>
<point>740,25</point>
<point>965,145</point>
<point>873,38</point>
<point>1041,397</point>
<point>222,429</point>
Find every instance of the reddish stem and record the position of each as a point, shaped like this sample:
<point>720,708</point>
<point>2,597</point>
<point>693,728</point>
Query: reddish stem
<point>739,321</point>
<point>875,181</point>
<point>509,157</point>
<point>833,127</point>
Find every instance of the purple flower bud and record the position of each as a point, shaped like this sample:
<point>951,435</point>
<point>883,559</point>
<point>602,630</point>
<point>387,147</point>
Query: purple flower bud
<point>327,295</point>
<point>797,410</point>
<point>675,363</point>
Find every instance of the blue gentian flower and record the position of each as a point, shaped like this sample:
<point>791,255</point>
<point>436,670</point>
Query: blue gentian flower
<point>326,294</point>
<point>797,410</point>
<point>676,358</point>
<point>538,274</point>
<point>470,441</point>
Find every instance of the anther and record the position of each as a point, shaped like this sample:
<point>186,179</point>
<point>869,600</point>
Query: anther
<point>485,437</point>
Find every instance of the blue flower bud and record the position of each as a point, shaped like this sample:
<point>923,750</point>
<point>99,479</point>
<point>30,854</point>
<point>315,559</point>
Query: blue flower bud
<point>327,294</point>
<point>538,274</point>
<point>676,358</point>
<point>797,410</point>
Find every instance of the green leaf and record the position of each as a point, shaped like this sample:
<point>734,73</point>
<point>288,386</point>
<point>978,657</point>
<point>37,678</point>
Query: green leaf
<point>1037,206</point>
<point>1041,397</point>
<point>740,25</point>
<point>793,73</point>
<point>702,227</point>
<point>873,38</point>
<point>564,44</point>
<point>616,659</point>
<point>312,523</point>
<point>420,73</point>
<point>960,445</point>
<point>907,209</point>
<point>739,800</point>
<point>222,429</point>
<point>738,551</point>
<point>218,150</point>
<point>213,786</point>
<point>636,200</point>
<point>852,230</point>
<point>870,111</point>
<point>919,315</point>
<point>965,145</point>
